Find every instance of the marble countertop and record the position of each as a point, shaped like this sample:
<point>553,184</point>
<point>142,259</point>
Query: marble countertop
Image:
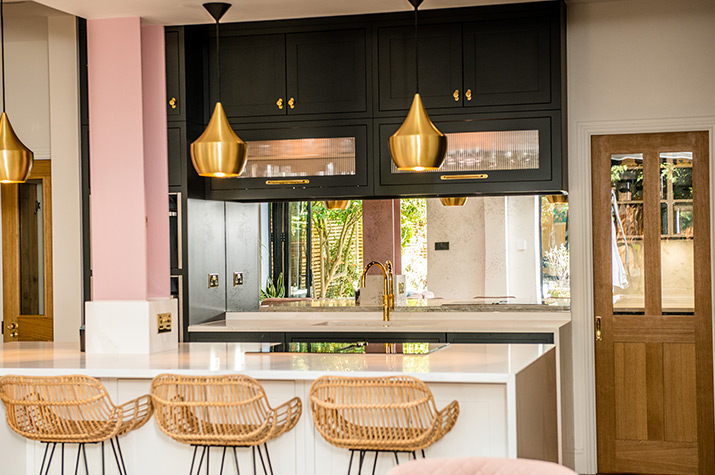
<point>492,363</point>
<point>417,305</point>
<point>420,322</point>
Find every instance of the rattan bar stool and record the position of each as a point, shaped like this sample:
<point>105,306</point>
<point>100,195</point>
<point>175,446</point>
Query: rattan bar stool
<point>388,414</point>
<point>70,410</point>
<point>221,411</point>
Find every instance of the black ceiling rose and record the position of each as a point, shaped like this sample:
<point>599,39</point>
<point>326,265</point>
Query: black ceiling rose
<point>218,9</point>
<point>416,3</point>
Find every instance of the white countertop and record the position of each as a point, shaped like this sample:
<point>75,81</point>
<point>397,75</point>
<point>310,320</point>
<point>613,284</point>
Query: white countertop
<point>420,322</point>
<point>486,363</point>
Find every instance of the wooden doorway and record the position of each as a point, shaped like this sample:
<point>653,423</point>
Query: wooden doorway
<point>27,257</point>
<point>652,290</point>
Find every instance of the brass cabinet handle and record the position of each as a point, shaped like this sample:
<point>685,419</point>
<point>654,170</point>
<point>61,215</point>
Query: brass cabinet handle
<point>468,94</point>
<point>599,334</point>
<point>172,103</point>
<point>301,181</point>
<point>455,94</point>
<point>291,103</point>
<point>279,103</point>
<point>12,326</point>
<point>472,176</point>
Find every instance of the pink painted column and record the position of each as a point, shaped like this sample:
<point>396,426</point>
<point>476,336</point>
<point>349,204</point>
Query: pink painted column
<point>381,232</point>
<point>128,160</point>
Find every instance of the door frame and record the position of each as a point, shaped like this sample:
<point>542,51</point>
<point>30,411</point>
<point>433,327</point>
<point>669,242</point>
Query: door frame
<point>580,425</point>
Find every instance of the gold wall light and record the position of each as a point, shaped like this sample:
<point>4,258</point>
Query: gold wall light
<point>15,159</point>
<point>454,201</point>
<point>418,145</point>
<point>337,204</point>
<point>557,199</point>
<point>218,152</point>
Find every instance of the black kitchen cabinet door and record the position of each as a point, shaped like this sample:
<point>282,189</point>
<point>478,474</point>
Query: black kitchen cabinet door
<point>507,62</point>
<point>174,73</point>
<point>440,66</point>
<point>326,72</point>
<point>177,154</point>
<point>252,75</point>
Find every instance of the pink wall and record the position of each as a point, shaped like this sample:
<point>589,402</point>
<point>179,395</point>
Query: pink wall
<point>127,156</point>
<point>156,174</point>
<point>381,232</point>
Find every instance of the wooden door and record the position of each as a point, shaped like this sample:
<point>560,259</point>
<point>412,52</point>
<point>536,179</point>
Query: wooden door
<point>253,73</point>
<point>326,72</point>
<point>507,62</point>
<point>440,63</point>
<point>27,257</point>
<point>654,359</point>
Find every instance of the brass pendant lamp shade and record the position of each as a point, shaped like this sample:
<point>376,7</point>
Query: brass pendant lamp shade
<point>454,201</point>
<point>15,158</point>
<point>557,199</point>
<point>218,152</point>
<point>418,145</point>
<point>337,204</point>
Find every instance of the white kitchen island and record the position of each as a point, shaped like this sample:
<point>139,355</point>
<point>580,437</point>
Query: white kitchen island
<point>507,397</point>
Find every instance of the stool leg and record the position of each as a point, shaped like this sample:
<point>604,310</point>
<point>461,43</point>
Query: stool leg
<point>49,461</point>
<point>397,460</point>
<point>121,457</point>
<point>235,459</point>
<point>208,453</point>
<point>350,465</point>
<point>102,457</point>
<point>362,458</point>
<point>423,453</point>
<point>63,459</point>
<point>253,454</point>
<point>260,454</point>
<point>193,459</point>
<point>374,464</point>
<point>201,460</point>
<point>76,465</point>
<point>42,467</point>
<point>116,457</point>
<point>84,456</point>
<point>268,457</point>
<point>223,457</point>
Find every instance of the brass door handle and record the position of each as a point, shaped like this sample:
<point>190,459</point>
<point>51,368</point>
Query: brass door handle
<point>279,103</point>
<point>599,334</point>
<point>455,94</point>
<point>172,103</point>
<point>13,335</point>
<point>468,94</point>
<point>291,103</point>
<point>12,326</point>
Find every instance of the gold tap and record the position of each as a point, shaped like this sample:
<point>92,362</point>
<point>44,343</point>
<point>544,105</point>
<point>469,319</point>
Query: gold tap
<point>388,300</point>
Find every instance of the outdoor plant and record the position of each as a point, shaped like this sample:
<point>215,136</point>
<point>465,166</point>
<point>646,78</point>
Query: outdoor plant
<point>272,290</point>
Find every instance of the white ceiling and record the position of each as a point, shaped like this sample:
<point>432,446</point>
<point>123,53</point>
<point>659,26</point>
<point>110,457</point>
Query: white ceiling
<point>184,12</point>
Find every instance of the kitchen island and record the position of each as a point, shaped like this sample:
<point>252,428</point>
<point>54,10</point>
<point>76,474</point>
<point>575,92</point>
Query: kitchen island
<point>507,397</point>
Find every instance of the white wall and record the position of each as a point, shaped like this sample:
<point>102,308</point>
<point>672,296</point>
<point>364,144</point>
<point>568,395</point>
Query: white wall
<point>43,104</point>
<point>633,65</point>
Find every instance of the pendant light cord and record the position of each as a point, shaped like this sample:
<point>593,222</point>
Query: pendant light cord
<point>2,48</point>
<point>417,55</point>
<point>218,63</point>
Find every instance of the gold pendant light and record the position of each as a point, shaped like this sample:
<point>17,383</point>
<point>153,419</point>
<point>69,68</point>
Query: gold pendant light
<point>337,204</point>
<point>454,201</point>
<point>418,145</point>
<point>15,158</point>
<point>218,152</point>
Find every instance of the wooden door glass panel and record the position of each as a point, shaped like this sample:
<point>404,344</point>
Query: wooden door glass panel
<point>678,233</point>
<point>300,157</point>
<point>627,259</point>
<point>440,66</point>
<point>32,262</point>
<point>485,151</point>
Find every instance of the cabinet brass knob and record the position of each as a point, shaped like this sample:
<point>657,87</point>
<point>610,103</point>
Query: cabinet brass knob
<point>279,103</point>
<point>291,103</point>
<point>468,94</point>
<point>172,103</point>
<point>455,94</point>
<point>599,334</point>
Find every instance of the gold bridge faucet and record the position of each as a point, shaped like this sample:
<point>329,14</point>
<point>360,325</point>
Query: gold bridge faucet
<point>388,297</point>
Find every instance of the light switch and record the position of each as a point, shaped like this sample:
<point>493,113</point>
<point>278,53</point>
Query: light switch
<point>213,281</point>
<point>237,278</point>
<point>521,244</point>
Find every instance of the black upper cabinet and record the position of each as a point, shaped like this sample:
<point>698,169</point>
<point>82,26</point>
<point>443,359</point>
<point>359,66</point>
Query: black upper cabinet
<point>174,67</point>
<point>440,66</point>
<point>253,73</point>
<point>326,72</point>
<point>296,73</point>
<point>507,62</point>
